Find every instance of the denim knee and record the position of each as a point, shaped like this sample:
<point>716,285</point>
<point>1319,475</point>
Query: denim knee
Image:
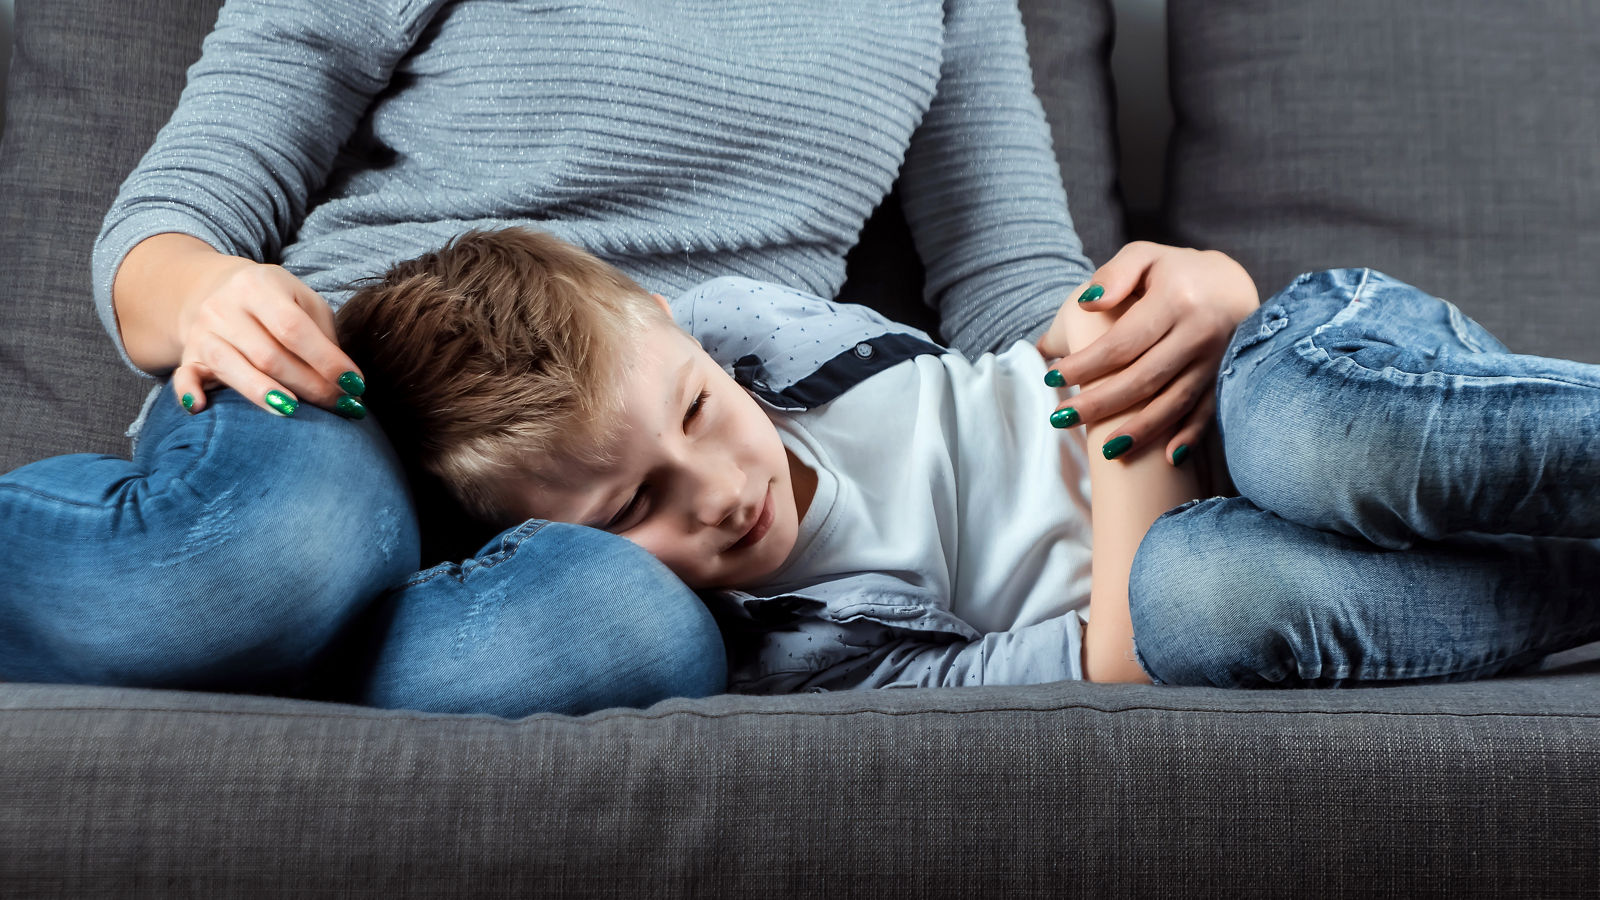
<point>225,556</point>
<point>548,617</point>
<point>1283,419</point>
<point>1209,601</point>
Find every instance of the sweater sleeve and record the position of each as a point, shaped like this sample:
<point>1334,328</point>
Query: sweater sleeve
<point>279,86</point>
<point>860,654</point>
<point>982,192</point>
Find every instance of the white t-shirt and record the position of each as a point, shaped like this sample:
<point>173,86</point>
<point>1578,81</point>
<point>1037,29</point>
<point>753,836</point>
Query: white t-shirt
<point>947,474</point>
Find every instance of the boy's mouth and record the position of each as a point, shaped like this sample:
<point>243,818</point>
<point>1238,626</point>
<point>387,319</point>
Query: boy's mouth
<point>762,525</point>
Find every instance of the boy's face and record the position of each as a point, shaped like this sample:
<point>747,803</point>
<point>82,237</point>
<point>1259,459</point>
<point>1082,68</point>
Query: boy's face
<point>701,479</point>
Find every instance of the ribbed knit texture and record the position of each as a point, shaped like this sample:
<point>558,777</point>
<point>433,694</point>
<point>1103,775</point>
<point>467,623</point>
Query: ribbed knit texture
<point>678,139</point>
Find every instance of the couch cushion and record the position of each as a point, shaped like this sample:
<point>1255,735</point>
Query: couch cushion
<point>90,85</point>
<point>1068,789</point>
<point>1451,145</point>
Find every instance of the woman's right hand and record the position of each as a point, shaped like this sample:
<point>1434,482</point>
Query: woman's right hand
<point>235,322</point>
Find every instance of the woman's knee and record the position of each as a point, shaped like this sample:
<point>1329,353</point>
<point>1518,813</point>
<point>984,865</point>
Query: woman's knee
<point>548,618</point>
<point>234,560</point>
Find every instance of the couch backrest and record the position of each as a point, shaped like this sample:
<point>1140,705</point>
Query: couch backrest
<point>1454,145</point>
<point>90,85</point>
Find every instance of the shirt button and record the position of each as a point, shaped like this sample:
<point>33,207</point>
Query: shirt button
<point>759,385</point>
<point>864,350</point>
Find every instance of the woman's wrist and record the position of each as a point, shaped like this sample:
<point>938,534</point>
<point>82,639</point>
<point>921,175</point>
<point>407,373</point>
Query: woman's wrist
<point>158,280</point>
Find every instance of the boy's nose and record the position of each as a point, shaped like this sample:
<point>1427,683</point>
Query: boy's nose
<point>719,494</point>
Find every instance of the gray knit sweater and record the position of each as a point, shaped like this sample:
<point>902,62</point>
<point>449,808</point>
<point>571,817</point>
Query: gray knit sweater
<point>678,139</point>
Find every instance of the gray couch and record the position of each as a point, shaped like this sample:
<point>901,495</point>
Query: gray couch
<point>1451,144</point>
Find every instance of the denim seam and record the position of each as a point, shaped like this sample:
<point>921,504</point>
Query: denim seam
<point>1589,633</point>
<point>209,440</point>
<point>1354,306</point>
<point>508,548</point>
<point>1351,307</point>
<point>1309,350</point>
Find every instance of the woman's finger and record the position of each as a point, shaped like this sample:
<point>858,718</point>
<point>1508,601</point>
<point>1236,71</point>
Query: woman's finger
<point>188,385</point>
<point>1138,329</point>
<point>1053,345</point>
<point>1192,430</point>
<point>1135,383</point>
<point>1156,421</point>
<point>1120,278</point>
<point>288,344</point>
<point>233,369</point>
<point>325,355</point>
<point>261,349</point>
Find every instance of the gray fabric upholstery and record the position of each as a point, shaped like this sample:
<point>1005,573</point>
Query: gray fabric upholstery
<point>1488,789</point>
<point>1451,145</point>
<point>90,85</point>
<point>1067,789</point>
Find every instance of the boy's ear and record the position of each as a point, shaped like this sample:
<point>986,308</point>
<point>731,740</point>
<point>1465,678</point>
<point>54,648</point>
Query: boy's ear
<point>662,302</point>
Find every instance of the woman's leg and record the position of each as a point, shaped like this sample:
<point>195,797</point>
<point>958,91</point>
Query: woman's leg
<point>548,617</point>
<point>224,555</point>
<point>1354,403</point>
<point>1223,593</point>
<point>243,551</point>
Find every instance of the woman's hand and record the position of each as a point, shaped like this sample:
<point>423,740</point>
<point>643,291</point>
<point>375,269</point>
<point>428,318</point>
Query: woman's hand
<point>1165,348</point>
<point>235,322</point>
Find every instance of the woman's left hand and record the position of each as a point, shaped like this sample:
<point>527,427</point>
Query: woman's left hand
<point>1165,348</point>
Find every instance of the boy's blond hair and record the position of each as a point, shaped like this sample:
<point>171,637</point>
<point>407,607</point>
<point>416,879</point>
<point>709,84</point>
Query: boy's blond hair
<point>494,354</point>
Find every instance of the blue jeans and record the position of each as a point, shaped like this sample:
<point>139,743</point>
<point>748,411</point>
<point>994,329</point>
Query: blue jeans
<point>241,551</point>
<point>1417,503</point>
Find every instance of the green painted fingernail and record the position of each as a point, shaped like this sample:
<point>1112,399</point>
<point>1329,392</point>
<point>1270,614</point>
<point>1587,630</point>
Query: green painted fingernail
<point>1064,418</point>
<point>1117,446</point>
<point>351,408</point>
<point>352,384</point>
<point>188,402</point>
<point>1095,292</point>
<point>1180,454</point>
<point>1054,379</point>
<point>281,403</point>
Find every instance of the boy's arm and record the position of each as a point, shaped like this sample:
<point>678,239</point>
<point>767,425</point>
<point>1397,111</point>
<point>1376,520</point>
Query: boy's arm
<point>861,654</point>
<point>1128,494</point>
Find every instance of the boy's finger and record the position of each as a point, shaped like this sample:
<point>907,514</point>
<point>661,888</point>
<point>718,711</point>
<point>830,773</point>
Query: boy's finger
<point>1119,278</point>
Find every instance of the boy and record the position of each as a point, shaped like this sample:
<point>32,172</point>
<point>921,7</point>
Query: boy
<point>858,506</point>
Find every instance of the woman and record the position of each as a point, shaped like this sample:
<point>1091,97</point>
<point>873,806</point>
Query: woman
<point>677,140</point>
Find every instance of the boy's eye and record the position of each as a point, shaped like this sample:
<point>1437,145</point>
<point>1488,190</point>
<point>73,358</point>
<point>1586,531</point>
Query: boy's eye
<point>695,407</point>
<point>626,510</point>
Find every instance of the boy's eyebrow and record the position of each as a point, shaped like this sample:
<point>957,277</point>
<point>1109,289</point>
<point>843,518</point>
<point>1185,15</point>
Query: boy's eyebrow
<point>683,380</point>
<point>680,388</point>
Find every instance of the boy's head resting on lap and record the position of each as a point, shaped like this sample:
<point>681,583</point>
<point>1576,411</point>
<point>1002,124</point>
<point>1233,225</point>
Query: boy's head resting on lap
<point>536,381</point>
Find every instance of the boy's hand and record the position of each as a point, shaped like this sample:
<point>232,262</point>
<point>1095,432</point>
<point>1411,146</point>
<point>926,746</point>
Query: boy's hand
<point>1165,348</point>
